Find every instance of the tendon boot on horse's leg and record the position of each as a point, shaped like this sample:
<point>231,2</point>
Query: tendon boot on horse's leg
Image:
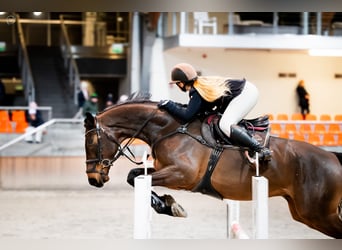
<point>167,205</point>
<point>240,136</point>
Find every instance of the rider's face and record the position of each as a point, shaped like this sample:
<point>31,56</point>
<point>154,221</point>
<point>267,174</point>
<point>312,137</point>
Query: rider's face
<point>182,86</point>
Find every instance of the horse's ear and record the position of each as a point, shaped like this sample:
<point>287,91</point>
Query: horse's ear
<point>89,121</point>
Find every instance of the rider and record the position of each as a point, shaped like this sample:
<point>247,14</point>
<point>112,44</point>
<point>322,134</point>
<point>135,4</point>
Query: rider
<point>233,98</point>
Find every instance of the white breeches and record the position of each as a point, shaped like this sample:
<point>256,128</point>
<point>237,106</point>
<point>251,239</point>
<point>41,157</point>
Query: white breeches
<point>239,107</point>
<point>35,137</point>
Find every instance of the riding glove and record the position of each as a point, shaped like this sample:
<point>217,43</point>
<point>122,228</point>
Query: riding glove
<point>163,103</point>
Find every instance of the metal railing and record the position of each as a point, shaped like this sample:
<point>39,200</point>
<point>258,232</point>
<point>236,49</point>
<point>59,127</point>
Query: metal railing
<point>40,128</point>
<point>313,23</point>
<point>69,61</point>
<point>47,109</point>
<point>25,66</point>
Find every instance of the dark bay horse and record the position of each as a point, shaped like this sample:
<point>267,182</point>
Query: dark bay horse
<point>308,177</point>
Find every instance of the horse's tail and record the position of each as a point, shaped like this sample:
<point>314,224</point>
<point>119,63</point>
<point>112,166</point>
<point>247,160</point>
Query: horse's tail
<point>338,155</point>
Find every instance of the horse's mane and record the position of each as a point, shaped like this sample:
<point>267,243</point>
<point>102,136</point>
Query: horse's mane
<point>136,97</point>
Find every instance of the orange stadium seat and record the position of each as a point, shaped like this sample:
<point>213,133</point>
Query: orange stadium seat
<point>282,117</point>
<point>329,139</point>
<point>325,117</point>
<point>334,128</point>
<point>305,128</point>
<point>276,128</point>
<point>298,137</point>
<point>291,128</point>
<point>20,127</point>
<point>270,117</point>
<point>4,116</point>
<point>297,117</point>
<point>315,139</point>
<point>6,126</point>
<point>311,117</point>
<point>338,117</point>
<point>320,128</point>
<point>18,116</point>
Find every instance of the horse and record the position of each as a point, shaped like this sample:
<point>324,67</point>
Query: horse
<point>307,176</point>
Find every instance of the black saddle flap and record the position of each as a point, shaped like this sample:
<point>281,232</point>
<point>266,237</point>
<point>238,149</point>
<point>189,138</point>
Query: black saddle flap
<point>213,134</point>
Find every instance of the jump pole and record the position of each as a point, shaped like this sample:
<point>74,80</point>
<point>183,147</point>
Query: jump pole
<point>142,203</point>
<point>259,213</point>
<point>260,204</point>
<point>234,230</point>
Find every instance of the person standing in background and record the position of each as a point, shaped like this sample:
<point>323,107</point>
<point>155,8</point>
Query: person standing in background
<point>109,100</point>
<point>91,105</point>
<point>303,99</point>
<point>34,119</point>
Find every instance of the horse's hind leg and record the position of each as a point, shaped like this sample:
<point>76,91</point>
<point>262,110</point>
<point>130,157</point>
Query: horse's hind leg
<point>161,204</point>
<point>319,217</point>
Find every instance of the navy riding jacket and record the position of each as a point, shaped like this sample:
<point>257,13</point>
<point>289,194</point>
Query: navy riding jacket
<point>199,106</point>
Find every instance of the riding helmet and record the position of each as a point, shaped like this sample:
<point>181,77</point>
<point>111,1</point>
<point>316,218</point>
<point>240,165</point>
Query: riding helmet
<point>183,72</point>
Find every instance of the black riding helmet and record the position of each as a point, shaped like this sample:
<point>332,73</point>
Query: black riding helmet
<point>185,73</point>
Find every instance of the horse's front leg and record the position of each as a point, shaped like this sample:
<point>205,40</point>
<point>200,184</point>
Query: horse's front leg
<point>165,204</point>
<point>135,172</point>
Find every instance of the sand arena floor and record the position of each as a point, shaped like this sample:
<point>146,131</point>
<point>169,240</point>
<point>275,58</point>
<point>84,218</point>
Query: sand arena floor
<point>107,213</point>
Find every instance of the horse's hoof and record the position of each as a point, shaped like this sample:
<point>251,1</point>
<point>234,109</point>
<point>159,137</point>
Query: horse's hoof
<point>176,209</point>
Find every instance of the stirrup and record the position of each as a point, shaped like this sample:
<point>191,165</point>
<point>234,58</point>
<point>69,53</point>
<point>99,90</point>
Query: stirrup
<point>265,154</point>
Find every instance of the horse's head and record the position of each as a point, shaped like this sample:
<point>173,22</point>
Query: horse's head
<point>99,152</point>
<point>138,119</point>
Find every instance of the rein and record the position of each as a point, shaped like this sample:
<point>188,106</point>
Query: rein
<point>107,163</point>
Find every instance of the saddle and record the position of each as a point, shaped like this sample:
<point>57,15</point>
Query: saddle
<point>213,135</point>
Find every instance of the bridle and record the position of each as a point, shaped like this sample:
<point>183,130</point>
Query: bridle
<point>121,151</point>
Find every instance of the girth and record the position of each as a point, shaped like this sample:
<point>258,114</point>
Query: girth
<point>204,186</point>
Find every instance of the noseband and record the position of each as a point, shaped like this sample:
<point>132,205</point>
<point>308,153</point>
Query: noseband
<point>105,162</point>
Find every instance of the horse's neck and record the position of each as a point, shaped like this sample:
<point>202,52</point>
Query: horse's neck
<point>154,126</point>
<point>139,122</point>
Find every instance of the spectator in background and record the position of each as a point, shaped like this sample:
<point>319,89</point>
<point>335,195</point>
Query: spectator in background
<point>109,101</point>
<point>82,97</point>
<point>91,105</point>
<point>303,99</point>
<point>2,94</point>
<point>34,119</point>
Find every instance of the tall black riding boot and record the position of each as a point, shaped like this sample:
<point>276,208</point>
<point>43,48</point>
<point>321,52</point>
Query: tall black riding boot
<point>240,137</point>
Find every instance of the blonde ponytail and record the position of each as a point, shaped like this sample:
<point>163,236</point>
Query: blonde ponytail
<point>211,87</point>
